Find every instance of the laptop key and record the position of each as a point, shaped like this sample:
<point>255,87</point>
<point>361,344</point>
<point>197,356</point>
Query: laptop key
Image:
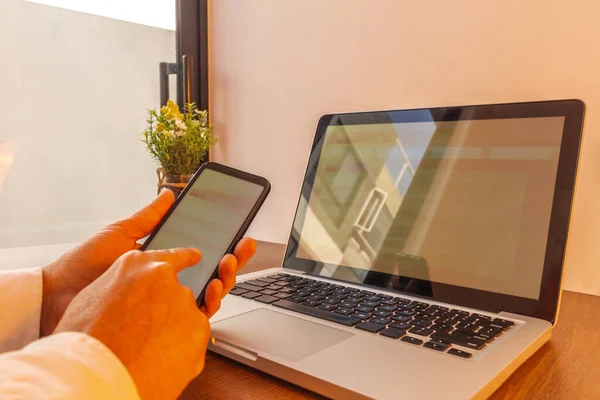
<point>351,306</point>
<point>436,345</point>
<point>317,313</point>
<point>421,331</point>
<point>266,299</point>
<point>327,307</point>
<point>386,307</point>
<point>424,323</point>
<point>486,336</point>
<point>331,301</point>
<point>461,340</point>
<point>267,280</point>
<point>412,340</point>
<point>381,313</point>
<point>434,307</point>
<point>361,315</point>
<point>490,331</point>
<point>381,320</point>
<point>482,322</point>
<point>316,297</point>
<point>251,295</point>
<point>343,311</point>
<point>502,323</point>
<point>311,303</point>
<point>297,299</point>
<point>370,327</point>
<point>268,292</point>
<point>282,295</point>
<point>354,300</point>
<point>238,291</point>
<point>369,303</point>
<point>460,353</point>
<point>400,325</point>
<point>256,282</point>
<point>464,332</point>
<point>364,309</point>
<point>393,333</point>
<point>400,318</point>
<point>249,287</point>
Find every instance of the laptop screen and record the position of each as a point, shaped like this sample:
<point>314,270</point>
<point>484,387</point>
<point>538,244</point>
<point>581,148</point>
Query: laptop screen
<point>478,193</point>
<point>423,203</point>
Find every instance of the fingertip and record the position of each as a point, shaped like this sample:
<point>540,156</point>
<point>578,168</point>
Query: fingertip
<point>244,251</point>
<point>166,195</point>
<point>228,263</point>
<point>251,243</point>
<point>195,255</point>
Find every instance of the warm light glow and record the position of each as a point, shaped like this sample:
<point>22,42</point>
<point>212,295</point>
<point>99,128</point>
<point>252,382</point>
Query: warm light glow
<point>157,13</point>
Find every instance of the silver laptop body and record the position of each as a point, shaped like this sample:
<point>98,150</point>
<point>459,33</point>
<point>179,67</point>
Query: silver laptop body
<point>425,258</point>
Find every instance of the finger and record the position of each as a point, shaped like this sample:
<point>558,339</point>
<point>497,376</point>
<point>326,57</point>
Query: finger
<point>143,222</point>
<point>180,259</point>
<point>244,251</point>
<point>212,297</point>
<point>227,271</point>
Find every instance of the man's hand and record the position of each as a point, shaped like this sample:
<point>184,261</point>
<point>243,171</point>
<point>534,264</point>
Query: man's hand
<point>139,310</point>
<point>65,278</point>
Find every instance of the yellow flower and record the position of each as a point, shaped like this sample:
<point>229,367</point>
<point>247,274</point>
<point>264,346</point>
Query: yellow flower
<point>160,127</point>
<point>171,111</point>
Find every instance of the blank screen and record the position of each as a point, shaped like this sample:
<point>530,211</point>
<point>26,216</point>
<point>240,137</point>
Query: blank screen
<point>207,218</point>
<point>465,203</point>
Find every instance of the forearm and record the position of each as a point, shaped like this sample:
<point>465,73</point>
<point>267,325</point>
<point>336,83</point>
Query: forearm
<point>66,366</point>
<point>20,300</point>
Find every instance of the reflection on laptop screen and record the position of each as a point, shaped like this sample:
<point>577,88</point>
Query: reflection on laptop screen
<point>465,203</point>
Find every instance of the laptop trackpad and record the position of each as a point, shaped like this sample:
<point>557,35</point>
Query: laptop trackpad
<point>281,335</point>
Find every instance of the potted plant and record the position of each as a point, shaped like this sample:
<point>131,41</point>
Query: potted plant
<point>179,142</point>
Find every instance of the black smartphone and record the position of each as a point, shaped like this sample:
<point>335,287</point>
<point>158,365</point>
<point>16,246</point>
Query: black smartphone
<point>212,214</point>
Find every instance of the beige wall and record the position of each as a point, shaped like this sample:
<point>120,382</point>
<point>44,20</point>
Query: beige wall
<point>278,65</point>
<point>73,93</point>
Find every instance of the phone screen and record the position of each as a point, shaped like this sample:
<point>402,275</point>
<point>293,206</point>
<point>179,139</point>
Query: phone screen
<point>208,218</point>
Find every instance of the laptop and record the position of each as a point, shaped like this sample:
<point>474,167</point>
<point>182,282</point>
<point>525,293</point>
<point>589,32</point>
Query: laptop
<point>425,258</point>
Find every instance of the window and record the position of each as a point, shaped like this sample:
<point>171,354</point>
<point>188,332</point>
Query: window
<point>76,85</point>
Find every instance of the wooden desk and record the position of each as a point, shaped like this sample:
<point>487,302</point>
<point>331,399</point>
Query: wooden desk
<point>567,367</point>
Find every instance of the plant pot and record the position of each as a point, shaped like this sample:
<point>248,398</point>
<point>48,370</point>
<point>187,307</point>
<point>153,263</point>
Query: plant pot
<point>174,183</point>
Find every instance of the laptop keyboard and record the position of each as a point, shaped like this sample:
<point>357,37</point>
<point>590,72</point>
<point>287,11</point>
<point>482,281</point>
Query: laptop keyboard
<point>415,322</point>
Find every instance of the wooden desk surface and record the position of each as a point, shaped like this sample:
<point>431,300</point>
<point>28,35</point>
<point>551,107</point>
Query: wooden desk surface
<point>567,367</point>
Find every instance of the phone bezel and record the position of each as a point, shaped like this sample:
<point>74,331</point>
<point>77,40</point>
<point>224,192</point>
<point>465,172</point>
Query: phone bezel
<point>259,180</point>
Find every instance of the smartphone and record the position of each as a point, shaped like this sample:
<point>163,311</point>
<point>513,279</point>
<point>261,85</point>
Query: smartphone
<point>212,214</point>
